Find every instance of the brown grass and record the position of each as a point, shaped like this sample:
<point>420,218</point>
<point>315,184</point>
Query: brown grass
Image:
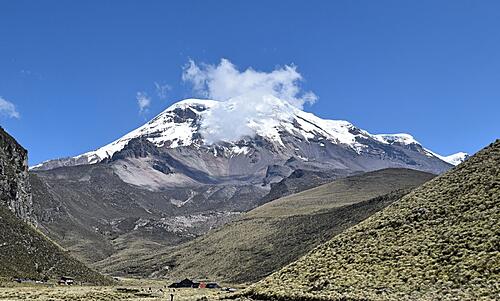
<point>439,242</point>
<point>52,292</point>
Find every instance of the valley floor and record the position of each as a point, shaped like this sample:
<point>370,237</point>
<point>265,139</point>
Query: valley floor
<point>129,290</point>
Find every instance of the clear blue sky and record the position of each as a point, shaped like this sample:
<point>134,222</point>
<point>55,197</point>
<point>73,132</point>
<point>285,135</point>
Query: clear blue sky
<point>73,68</point>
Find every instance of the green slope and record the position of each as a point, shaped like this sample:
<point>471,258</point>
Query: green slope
<point>26,253</point>
<point>439,242</point>
<point>275,234</point>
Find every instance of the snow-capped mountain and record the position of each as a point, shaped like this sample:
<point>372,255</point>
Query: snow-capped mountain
<point>200,163</point>
<point>193,122</point>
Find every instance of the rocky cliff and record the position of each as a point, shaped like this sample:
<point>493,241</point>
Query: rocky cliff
<point>15,189</point>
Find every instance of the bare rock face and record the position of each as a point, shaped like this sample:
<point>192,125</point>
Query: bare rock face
<point>15,189</point>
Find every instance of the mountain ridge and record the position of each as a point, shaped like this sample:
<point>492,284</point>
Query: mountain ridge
<point>181,124</point>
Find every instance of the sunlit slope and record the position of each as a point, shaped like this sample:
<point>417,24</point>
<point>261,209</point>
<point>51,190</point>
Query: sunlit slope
<point>273,235</point>
<point>440,242</point>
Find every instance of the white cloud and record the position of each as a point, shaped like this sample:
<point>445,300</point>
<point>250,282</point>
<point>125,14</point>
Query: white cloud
<point>162,90</point>
<point>7,108</point>
<point>143,101</point>
<point>223,81</point>
<point>250,100</point>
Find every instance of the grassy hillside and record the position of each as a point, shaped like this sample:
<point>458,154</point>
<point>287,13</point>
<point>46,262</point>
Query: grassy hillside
<point>439,242</point>
<point>275,234</point>
<point>26,253</point>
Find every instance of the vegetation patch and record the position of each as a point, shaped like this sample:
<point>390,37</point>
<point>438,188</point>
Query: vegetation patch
<point>439,242</point>
<point>26,253</point>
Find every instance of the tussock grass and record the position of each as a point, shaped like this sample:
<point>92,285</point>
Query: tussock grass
<point>27,253</point>
<point>439,242</point>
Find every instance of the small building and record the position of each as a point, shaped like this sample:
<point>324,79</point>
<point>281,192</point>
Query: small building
<point>65,280</point>
<point>188,283</point>
<point>184,283</point>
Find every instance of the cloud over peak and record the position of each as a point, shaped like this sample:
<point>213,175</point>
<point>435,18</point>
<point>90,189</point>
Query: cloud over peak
<point>224,81</point>
<point>248,100</point>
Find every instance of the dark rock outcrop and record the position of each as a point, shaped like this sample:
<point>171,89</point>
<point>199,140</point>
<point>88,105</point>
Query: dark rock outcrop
<point>15,189</point>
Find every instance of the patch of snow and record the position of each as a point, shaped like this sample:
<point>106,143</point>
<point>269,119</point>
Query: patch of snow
<point>453,159</point>
<point>302,158</point>
<point>237,150</point>
<point>401,138</point>
<point>37,165</point>
<point>407,139</point>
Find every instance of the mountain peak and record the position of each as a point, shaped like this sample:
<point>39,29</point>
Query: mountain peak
<point>203,122</point>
